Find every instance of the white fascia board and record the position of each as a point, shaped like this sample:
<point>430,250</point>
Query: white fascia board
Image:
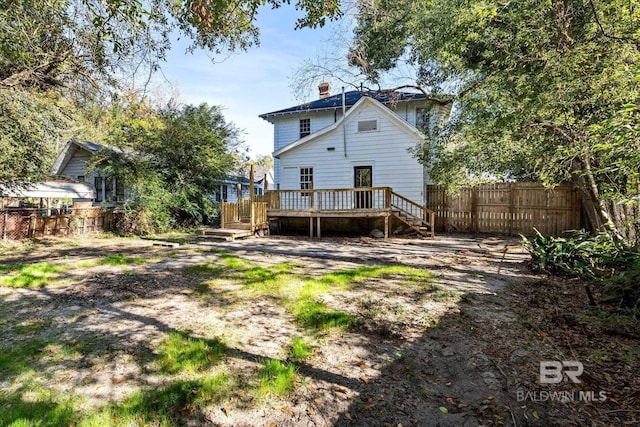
<point>410,130</point>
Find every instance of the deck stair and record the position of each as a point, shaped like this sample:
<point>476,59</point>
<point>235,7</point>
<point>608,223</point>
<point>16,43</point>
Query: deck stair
<point>419,218</point>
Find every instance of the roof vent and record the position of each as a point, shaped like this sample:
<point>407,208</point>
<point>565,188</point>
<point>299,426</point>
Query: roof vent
<point>324,89</point>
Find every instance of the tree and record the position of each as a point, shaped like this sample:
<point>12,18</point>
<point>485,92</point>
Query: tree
<point>538,86</point>
<point>58,55</point>
<point>172,159</point>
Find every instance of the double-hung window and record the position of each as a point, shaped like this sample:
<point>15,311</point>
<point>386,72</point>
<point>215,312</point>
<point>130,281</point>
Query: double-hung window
<point>306,179</point>
<point>305,127</point>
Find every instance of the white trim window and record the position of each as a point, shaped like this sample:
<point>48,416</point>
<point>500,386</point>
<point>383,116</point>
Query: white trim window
<point>306,179</point>
<point>305,127</point>
<point>368,125</point>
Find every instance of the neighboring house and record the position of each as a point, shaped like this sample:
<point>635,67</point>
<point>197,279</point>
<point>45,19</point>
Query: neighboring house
<point>317,146</point>
<point>73,162</point>
<point>228,190</point>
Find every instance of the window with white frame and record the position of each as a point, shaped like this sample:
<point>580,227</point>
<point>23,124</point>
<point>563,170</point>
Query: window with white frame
<point>367,125</point>
<point>306,179</point>
<point>305,127</point>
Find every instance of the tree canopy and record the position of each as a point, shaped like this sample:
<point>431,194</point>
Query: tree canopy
<point>58,56</point>
<point>544,89</point>
<point>171,159</point>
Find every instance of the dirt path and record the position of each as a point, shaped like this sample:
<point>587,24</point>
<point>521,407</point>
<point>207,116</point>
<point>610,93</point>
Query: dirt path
<point>453,354</point>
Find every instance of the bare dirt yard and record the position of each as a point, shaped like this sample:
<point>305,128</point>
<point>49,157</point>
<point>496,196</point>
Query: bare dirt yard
<point>284,331</point>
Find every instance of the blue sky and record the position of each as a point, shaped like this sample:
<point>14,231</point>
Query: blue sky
<point>250,83</point>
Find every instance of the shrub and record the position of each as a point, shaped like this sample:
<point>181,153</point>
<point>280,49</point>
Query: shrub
<point>594,258</point>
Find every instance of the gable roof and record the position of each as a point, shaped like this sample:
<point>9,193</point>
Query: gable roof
<point>403,125</point>
<point>69,150</point>
<point>334,102</point>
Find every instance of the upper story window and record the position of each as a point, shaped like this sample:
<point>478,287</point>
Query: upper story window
<point>367,125</point>
<point>422,118</point>
<point>305,127</point>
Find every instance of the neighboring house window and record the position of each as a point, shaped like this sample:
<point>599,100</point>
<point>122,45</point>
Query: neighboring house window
<point>119,190</point>
<point>306,179</point>
<point>98,184</point>
<point>367,125</point>
<point>305,127</point>
<point>422,118</point>
<point>108,189</point>
<point>80,178</point>
<point>225,192</point>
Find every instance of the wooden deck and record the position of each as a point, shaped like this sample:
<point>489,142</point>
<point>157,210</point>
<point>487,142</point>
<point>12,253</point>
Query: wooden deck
<point>255,214</point>
<point>371,202</point>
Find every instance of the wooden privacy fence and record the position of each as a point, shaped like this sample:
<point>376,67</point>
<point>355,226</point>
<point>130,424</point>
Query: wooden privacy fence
<point>506,208</point>
<point>19,224</point>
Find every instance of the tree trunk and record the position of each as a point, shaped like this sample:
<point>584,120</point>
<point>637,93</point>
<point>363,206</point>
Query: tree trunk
<point>598,211</point>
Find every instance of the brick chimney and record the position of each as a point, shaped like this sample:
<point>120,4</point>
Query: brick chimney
<point>324,88</point>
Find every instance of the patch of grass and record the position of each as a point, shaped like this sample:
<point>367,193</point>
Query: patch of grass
<point>598,355</point>
<point>235,263</point>
<point>30,275</point>
<point>164,407</point>
<point>215,251</point>
<point>182,353</point>
<point>20,356</point>
<point>299,350</point>
<point>121,259</point>
<point>204,270</point>
<point>31,326</point>
<point>445,295</point>
<point>316,315</point>
<point>632,355</point>
<point>181,237</point>
<point>430,321</point>
<point>41,407</point>
<point>87,263</point>
<point>277,378</point>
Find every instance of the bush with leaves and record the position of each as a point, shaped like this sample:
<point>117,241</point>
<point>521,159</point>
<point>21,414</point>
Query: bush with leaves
<point>594,258</point>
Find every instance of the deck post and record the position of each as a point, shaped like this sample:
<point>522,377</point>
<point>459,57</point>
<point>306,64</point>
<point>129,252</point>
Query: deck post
<point>311,227</point>
<point>221,213</point>
<point>387,198</point>
<point>318,227</point>
<point>386,226</point>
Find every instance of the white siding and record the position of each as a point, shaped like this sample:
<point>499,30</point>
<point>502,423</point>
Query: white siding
<point>385,150</point>
<point>77,165</point>
<point>287,130</point>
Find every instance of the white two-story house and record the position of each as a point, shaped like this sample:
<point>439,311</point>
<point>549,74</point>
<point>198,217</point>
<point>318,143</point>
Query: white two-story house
<point>353,139</point>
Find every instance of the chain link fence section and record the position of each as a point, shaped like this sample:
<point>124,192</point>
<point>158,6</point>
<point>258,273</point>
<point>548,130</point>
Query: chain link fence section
<point>21,224</point>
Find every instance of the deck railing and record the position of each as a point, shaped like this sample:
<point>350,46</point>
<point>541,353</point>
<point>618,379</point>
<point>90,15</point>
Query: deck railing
<point>341,199</point>
<point>241,212</point>
<point>413,211</point>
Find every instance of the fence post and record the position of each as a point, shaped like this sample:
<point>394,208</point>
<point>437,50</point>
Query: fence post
<point>4,225</point>
<point>221,213</point>
<point>511,208</point>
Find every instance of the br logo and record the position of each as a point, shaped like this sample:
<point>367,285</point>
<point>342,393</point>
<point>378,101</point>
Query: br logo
<point>554,371</point>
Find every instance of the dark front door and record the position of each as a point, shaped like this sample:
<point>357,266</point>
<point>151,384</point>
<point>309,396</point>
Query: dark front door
<point>363,179</point>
